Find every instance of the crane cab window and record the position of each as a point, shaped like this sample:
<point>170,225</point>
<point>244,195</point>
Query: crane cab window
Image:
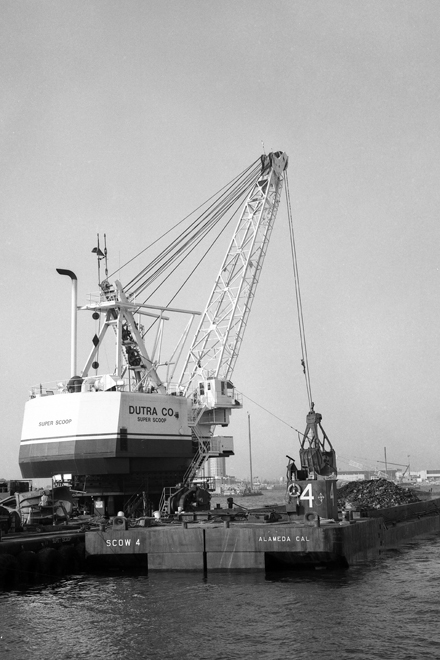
<point>202,389</point>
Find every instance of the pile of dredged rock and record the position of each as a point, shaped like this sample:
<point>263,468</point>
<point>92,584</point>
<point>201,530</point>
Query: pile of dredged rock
<point>374,494</point>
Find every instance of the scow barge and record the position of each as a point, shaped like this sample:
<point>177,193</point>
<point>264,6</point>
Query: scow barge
<point>261,540</point>
<point>309,531</point>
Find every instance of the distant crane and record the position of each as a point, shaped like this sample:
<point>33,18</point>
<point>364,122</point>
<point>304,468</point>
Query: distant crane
<point>400,465</point>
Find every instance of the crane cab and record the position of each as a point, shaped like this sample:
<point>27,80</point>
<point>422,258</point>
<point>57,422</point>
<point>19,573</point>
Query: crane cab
<point>218,393</point>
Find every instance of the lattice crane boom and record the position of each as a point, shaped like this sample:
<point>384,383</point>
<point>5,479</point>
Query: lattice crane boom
<point>217,342</point>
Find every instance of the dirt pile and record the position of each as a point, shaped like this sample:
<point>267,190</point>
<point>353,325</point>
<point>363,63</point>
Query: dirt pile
<point>374,494</point>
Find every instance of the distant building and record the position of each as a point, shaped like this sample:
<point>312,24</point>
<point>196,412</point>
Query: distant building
<point>351,476</point>
<point>432,475</point>
<point>395,475</point>
<point>358,475</point>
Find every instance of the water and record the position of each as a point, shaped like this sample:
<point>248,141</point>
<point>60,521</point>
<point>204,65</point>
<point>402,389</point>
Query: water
<point>386,609</point>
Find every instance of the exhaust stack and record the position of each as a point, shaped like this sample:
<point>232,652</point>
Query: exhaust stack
<point>73,326</point>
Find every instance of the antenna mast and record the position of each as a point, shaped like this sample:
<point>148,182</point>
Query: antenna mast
<point>100,256</point>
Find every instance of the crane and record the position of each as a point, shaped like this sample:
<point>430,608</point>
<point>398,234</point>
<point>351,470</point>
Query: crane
<point>209,364</point>
<point>217,342</point>
<point>133,430</point>
<point>215,347</point>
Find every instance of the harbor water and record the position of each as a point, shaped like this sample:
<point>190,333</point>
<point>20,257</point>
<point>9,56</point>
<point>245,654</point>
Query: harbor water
<point>385,609</point>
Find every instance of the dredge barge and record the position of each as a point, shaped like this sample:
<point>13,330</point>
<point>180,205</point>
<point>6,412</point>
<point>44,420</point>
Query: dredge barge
<point>133,439</point>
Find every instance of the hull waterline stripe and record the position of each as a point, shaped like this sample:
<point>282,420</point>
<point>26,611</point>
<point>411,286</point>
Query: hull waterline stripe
<point>103,436</point>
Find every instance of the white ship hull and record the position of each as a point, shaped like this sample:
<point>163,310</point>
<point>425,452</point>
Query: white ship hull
<point>105,433</point>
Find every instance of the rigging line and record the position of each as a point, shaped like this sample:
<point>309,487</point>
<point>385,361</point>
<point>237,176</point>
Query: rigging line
<point>175,251</point>
<point>174,245</point>
<point>192,212</point>
<point>250,182</point>
<point>213,221</point>
<point>186,217</point>
<point>194,240</point>
<point>188,249</point>
<point>189,234</point>
<point>271,413</point>
<point>305,360</point>
<point>191,273</point>
<point>194,269</point>
<point>194,230</point>
<point>199,236</point>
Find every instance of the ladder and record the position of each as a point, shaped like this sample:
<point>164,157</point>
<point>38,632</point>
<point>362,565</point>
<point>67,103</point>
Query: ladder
<point>134,502</point>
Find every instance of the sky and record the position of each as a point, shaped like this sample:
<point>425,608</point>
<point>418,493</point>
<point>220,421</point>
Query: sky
<point>120,118</point>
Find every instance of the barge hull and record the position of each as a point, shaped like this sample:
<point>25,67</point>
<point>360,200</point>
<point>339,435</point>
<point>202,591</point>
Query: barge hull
<point>254,546</point>
<point>39,557</point>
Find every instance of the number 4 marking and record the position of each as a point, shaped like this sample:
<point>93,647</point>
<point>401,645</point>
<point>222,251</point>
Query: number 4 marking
<point>138,542</point>
<point>307,495</point>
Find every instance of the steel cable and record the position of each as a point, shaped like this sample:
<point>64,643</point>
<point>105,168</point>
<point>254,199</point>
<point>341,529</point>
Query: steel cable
<point>302,333</point>
<point>188,236</point>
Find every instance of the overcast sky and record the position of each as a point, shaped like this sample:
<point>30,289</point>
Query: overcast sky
<point>121,117</point>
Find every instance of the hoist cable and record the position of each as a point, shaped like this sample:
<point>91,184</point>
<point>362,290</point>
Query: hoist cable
<point>305,360</point>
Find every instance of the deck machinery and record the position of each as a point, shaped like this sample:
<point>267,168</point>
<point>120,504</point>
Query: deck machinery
<point>138,434</point>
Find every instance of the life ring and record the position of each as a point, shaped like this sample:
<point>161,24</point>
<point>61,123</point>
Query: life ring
<point>311,517</point>
<point>294,490</point>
